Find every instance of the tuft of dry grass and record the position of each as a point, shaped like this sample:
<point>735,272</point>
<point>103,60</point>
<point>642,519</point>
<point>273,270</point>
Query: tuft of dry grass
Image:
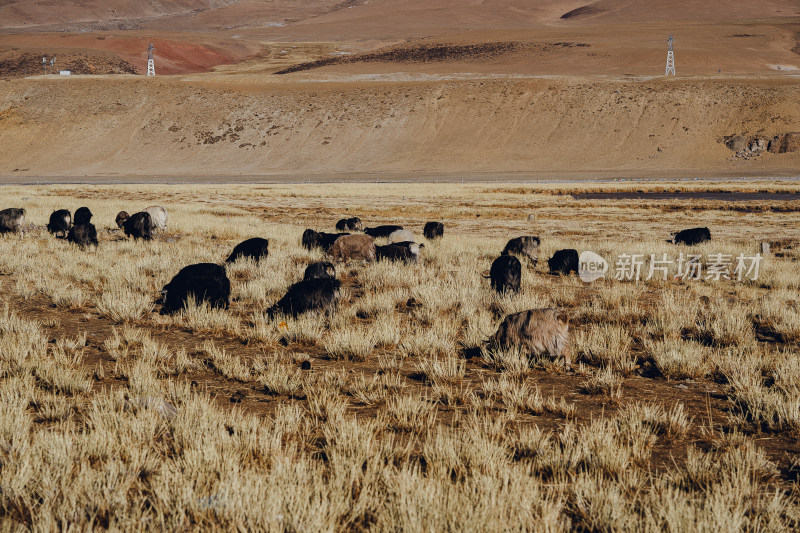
<point>607,345</point>
<point>441,370</point>
<point>350,344</point>
<point>280,379</point>
<point>604,382</point>
<point>124,305</point>
<point>512,360</point>
<point>679,359</point>
<point>724,325</point>
<point>408,413</point>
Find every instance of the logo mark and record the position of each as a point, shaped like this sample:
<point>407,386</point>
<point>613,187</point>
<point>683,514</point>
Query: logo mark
<point>591,266</point>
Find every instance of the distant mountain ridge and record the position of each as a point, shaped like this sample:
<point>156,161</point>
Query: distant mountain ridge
<point>414,17</point>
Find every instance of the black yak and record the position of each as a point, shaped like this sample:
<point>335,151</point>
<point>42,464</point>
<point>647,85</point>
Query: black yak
<point>255,248</point>
<point>349,224</point>
<point>82,216</point>
<point>433,230</point>
<point>690,237</point>
<point>207,282</point>
<point>83,235</point>
<point>402,251</point>
<point>139,226</point>
<point>320,270</point>
<point>506,274</point>
<point>122,216</point>
<point>60,223</point>
<point>319,239</point>
<point>564,261</point>
<point>382,231</point>
<point>83,232</point>
<point>308,295</point>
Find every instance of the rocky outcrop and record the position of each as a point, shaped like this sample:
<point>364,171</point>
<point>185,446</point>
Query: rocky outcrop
<point>753,146</point>
<point>788,142</point>
<point>736,143</point>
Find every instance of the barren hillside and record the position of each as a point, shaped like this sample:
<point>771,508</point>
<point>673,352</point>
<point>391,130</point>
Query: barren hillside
<point>124,14</point>
<point>169,127</point>
<point>455,87</point>
<point>355,19</point>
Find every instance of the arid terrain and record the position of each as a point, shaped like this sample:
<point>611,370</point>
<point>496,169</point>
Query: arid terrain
<point>409,90</point>
<point>393,412</point>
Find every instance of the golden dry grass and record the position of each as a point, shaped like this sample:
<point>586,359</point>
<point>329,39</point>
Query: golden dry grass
<point>683,413</point>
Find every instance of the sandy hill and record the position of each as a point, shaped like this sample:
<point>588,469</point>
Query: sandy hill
<point>544,128</point>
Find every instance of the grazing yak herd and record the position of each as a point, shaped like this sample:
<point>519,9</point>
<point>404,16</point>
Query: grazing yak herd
<point>535,331</point>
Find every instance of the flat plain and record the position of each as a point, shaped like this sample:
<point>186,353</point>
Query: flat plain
<point>681,413</point>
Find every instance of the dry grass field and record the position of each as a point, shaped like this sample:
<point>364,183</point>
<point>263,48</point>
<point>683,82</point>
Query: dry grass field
<point>682,412</point>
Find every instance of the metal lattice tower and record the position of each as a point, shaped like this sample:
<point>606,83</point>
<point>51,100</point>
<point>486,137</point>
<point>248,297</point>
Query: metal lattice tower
<point>151,69</point>
<point>670,57</point>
